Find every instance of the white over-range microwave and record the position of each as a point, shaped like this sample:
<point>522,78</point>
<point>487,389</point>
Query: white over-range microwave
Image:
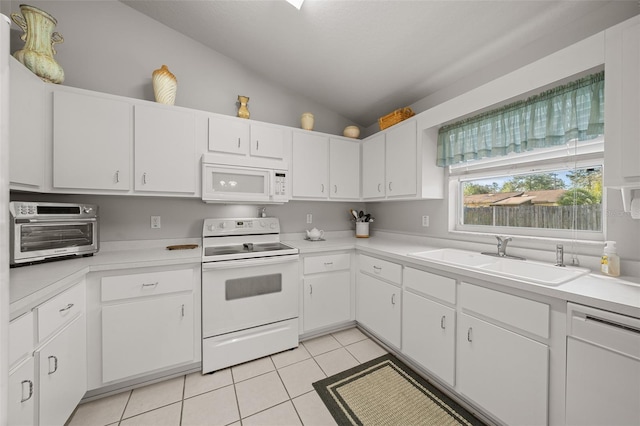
<point>260,181</point>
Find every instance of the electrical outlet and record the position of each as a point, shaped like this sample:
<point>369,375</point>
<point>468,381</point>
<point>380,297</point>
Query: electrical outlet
<point>155,222</point>
<point>309,218</point>
<point>425,221</point>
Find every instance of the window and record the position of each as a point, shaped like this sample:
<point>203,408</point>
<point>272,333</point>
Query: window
<point>554,192</point>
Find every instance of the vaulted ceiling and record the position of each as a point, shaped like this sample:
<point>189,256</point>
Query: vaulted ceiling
<point>366,58</point>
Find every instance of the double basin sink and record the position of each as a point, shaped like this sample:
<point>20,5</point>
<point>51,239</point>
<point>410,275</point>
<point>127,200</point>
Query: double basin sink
<point>526,270</point>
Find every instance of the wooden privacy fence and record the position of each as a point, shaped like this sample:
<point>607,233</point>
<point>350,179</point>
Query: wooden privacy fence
<point>588,217</point>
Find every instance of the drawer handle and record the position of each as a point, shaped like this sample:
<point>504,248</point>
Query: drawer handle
<point>328,263</point>
<point>55,364</point>
<point>393,299</point>
<point>149,285</point>
<point>377,269</point>
<point>469,335</point>
<point>66,308</point>
<point>442,322</point>
<point>30,390</point>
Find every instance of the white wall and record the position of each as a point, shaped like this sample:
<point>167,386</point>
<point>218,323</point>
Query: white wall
<point>112,48</point>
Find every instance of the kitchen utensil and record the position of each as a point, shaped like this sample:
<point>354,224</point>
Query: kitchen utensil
<point>367,217</point>
<point>361,214</point>
<point>354,214</point>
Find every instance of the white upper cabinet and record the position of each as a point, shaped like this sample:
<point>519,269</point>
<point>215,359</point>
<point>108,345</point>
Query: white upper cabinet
<point>228,135</point>
<point>267,141</point>
<point>399,163</point>
<point>231,135</point>
<point>400,155</point>
<point>373,164</point>
<point>165,150</point>
<point>622,105</point>
<point>310,163</point>
<point>91,142</point>
<point>27,130</point>
<point>344,169</point>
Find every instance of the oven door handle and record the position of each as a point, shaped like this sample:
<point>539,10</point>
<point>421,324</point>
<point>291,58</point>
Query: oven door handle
<point>243,263</point>
<point>69,221</point>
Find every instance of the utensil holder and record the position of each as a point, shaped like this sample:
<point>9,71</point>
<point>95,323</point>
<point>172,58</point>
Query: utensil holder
<point>362,229</point>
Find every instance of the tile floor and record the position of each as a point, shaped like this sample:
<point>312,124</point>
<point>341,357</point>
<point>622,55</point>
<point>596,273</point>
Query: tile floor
<point>275,390</point>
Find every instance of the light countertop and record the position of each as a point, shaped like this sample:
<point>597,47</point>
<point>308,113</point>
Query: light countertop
<point>32,285</point>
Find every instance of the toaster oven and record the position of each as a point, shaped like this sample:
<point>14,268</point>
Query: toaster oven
<point>51,231</point>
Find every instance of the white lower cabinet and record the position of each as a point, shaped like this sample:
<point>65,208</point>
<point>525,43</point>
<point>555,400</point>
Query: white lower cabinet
<point>21,405</point>
<point>504,372</point>
<point>138,337</point>
<point>62,364</point>
<point>326,291</point>
<point>428,334</point>
<point>378,304</point>
<point>141,322</point>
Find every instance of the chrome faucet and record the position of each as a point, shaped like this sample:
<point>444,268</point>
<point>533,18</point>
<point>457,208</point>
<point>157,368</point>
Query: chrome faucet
<point>502,245</point>
<point>560,255</point>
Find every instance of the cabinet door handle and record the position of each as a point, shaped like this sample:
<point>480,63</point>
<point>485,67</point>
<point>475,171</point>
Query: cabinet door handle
<point>30,383</point>
<point>238,142</point>
<point>66,308</point>
<point>379,186</point>
<point>144,178</point>
<point>393,299</point>
<point>442,322</point>
<point>377,269</point>
<point>322,190</point>
<point>117,176</point>
<point>149,285</point>
<point>335,189</point>
<point>310,289</point>
<point>390,186</point>
<point>257,144</point>
<point>55,364</point>
<point>469,335</point>
<point>183,310</point>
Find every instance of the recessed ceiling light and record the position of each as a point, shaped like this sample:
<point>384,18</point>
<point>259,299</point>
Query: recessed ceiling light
<point>296,3</point>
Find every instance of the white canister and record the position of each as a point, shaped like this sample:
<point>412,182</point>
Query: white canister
<point>306,121</point>
<point>362,229</point>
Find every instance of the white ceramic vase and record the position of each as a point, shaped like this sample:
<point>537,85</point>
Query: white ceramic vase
<point>165,85</point>
<point>38,51</point>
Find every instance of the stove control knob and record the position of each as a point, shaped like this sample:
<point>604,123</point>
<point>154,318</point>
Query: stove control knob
<point>223,225</point>
<point>273,226</point>
<point>211,227</point>
<point>262,224</point>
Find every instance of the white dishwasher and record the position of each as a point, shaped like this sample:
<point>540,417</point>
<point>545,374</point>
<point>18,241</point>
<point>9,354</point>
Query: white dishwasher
<point>603,367</point>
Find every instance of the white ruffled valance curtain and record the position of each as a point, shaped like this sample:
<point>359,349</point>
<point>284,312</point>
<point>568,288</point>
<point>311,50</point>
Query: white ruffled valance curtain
<point>555,117</point>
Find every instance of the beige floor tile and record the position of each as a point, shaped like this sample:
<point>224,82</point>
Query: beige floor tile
<point>349,336</point>
<point>218,407</point>
<point>298,378</point>
<point>197,383</point>
<point>259,393</point>
<point>285,358</point>
<point>154,396</point>
<point>336,361</point>
<point>322,344</point>
<point>365,350</point>
<point>280,415</point>
<point>252,369</point>
<point>165,416</point>
<point>100,412</point>
<point>312,410</point>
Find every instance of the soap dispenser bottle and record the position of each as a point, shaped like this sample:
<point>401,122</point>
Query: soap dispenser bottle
<point>610,262</point>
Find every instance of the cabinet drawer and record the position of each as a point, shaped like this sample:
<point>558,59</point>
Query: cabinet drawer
<point>328,263</point>
<point>21,338</point>
<point>433,285</point>
<point>380,268</point>
<point>60,310</point>
<point>525,314</point>
<point>146,284</point>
